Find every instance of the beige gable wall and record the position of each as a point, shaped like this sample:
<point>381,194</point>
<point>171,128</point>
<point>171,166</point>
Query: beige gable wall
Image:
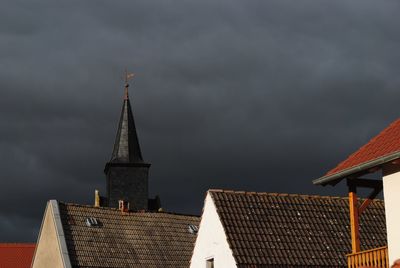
<point>391,190</point>
<point>48,252</point>
<point>211,242</point>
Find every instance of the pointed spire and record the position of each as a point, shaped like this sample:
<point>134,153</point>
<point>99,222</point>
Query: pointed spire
<point>126,146</point>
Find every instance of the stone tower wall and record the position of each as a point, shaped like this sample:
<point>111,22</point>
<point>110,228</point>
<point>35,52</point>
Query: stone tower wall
<point>128,183</point>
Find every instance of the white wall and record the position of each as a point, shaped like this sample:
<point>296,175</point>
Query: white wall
<point>47,253</point>
<point>211,240</point>
<point>51,248</point>
<point>391,191</point>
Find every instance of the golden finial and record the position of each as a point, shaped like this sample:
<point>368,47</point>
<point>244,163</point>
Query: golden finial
<point>128,76</point>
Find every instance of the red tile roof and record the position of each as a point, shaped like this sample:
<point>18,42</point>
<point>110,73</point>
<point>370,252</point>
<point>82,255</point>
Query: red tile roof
<point>385,144</point>
<point>16,255</point>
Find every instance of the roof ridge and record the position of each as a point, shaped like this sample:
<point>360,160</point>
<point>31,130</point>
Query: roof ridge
<point>130,212</point>
<point>85,205</point>
<point>171,213</point>
<point>310,196</point>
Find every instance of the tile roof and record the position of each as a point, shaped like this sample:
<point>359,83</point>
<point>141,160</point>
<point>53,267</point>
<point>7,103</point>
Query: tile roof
<point>16,255</point>
<point>384,144</point>
<point>284,230</point>
<point>133,239</point>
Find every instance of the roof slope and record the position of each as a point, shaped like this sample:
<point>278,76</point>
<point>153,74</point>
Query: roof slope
<point>281,230</point>
<point>16,255</point>
<point>127,239</point>
<point>386,143</point>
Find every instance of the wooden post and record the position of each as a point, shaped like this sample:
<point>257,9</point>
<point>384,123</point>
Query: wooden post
<point>354,223</point>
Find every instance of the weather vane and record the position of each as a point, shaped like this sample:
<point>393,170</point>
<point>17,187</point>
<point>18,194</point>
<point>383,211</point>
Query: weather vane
<point>127,77</point>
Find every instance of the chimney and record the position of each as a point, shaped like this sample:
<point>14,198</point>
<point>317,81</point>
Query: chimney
<point>96,199</point>
<point>123,206</point>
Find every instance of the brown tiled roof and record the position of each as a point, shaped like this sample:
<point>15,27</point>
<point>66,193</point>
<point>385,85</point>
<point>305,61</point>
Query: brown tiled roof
<point>285,230</point>
<point>131,239</point>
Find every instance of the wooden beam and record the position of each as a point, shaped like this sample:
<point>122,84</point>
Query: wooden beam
<point>354,222</point>
<point>367,201</point>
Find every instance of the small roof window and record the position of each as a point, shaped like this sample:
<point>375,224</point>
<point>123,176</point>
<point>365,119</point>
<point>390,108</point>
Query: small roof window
<point>92,222</point>
<point>193,229</point>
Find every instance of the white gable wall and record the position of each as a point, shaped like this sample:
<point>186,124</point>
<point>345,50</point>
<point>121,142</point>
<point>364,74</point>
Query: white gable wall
<point>391,191</point>
<point>51,249</point>
<point>211,240</point>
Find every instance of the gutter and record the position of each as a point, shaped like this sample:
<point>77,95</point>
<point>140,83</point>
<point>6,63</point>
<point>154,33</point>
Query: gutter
<point>344,173</point>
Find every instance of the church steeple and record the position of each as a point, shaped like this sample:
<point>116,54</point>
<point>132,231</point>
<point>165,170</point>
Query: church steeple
<point>126,172</point>
<point>126,146</point>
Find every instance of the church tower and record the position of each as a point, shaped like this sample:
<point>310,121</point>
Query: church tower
<point>126,172</point>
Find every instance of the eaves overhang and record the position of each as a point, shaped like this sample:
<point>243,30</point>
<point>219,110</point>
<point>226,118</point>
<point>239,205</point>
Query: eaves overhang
<point>336,177</point>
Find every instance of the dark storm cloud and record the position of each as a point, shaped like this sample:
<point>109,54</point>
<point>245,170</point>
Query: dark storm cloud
<point>249,95</point>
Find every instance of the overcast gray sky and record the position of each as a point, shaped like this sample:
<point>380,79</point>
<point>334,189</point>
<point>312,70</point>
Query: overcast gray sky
<point>248,95</point>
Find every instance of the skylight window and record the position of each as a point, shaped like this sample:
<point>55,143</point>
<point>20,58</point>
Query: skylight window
<point>92,222</point>
<point>193,229</point>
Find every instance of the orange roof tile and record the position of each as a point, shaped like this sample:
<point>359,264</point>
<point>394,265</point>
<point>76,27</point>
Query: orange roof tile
<point>16,255</point>
<point>385,145</point>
